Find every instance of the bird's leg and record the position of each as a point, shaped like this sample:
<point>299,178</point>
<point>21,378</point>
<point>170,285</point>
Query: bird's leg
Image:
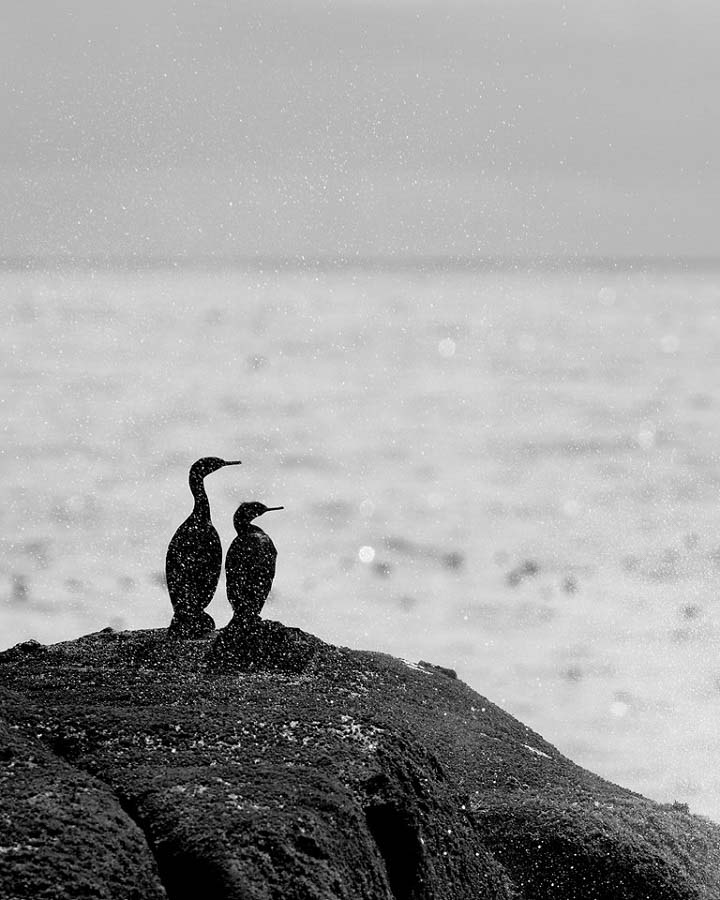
<point>191,626</point>
<point>239,644</point>
<point>243,624</point>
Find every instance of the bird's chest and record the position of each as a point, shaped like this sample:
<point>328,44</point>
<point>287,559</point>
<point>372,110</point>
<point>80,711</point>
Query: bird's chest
<point>259,546</point>
<point>205,539</point>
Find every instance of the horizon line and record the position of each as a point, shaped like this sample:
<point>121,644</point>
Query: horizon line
<point>299,261</point>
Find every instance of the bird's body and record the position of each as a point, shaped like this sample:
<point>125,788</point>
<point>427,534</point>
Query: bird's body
<point>194,559</point>
<point>192,567</point>
<point>249,565</point>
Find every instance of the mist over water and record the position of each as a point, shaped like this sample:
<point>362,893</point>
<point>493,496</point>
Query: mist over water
<point>512,474</point>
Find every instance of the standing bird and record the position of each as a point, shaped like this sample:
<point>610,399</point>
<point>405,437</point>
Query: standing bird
<point>249,565</point>
<point>194,558</point>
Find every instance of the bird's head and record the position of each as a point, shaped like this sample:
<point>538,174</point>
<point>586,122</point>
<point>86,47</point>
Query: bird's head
<point>209,464</point>
<point>246,512</point>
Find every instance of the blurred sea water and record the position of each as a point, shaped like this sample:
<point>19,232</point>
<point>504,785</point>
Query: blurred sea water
<point>512,474</point>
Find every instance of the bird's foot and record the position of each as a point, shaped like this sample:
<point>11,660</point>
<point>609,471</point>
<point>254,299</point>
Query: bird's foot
<point>237,641</point>
<point>195,626</point>
<point>242,626</point>
<point>251,644</point>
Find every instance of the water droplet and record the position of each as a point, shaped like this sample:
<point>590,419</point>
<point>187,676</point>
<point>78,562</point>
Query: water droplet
<point>669,343</point>
<point>607,296</point>
<point>446,347</point>
<point>366,554</point>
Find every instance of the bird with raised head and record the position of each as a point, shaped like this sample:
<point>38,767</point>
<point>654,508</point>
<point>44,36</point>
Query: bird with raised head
<point>249,565</point>
<point>194,558</point>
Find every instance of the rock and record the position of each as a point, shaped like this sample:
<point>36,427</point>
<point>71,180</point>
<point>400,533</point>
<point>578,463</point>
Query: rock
<point>273,766</point>
<point>451,673</point>
<point>63,833</point>
<point>261,645</point>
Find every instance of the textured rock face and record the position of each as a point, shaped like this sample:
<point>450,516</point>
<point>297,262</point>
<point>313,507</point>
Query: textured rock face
<point>273,765</point>
<point>63,833</point>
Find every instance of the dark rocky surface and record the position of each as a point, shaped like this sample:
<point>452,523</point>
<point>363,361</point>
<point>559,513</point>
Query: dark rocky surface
<point>272,765</point>
<point>62,832</point>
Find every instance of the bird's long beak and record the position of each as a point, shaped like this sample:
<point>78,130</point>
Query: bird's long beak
<point>233,462</point>
<point>271,508</point>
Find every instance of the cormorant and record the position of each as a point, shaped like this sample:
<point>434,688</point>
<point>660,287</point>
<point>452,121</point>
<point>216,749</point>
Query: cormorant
<point>249,565</point>
<point>194,558</point>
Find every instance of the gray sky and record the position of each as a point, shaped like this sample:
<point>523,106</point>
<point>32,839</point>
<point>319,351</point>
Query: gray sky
<point>358,127</point>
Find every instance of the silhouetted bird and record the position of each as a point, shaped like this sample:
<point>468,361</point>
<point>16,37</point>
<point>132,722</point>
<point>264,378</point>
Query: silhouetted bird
<point>194,558</point>
<point>249,565</point>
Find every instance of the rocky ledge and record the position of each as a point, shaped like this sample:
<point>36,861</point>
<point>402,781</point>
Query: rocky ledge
<point>272,765</point>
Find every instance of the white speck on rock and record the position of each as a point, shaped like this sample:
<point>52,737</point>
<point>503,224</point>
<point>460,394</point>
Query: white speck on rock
<point>536,751</point>
<point>365,735</point>
<point>416,666</point>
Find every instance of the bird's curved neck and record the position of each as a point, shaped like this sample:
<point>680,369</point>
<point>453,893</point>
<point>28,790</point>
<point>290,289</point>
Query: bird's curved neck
<point>202,504</point>
<point>244,527</point>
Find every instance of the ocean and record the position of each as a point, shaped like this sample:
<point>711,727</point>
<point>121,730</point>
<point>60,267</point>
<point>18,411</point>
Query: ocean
<point>514,474</point>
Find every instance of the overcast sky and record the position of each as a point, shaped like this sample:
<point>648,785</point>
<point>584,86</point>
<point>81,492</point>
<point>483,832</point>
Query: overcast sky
<point>356,127</point>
